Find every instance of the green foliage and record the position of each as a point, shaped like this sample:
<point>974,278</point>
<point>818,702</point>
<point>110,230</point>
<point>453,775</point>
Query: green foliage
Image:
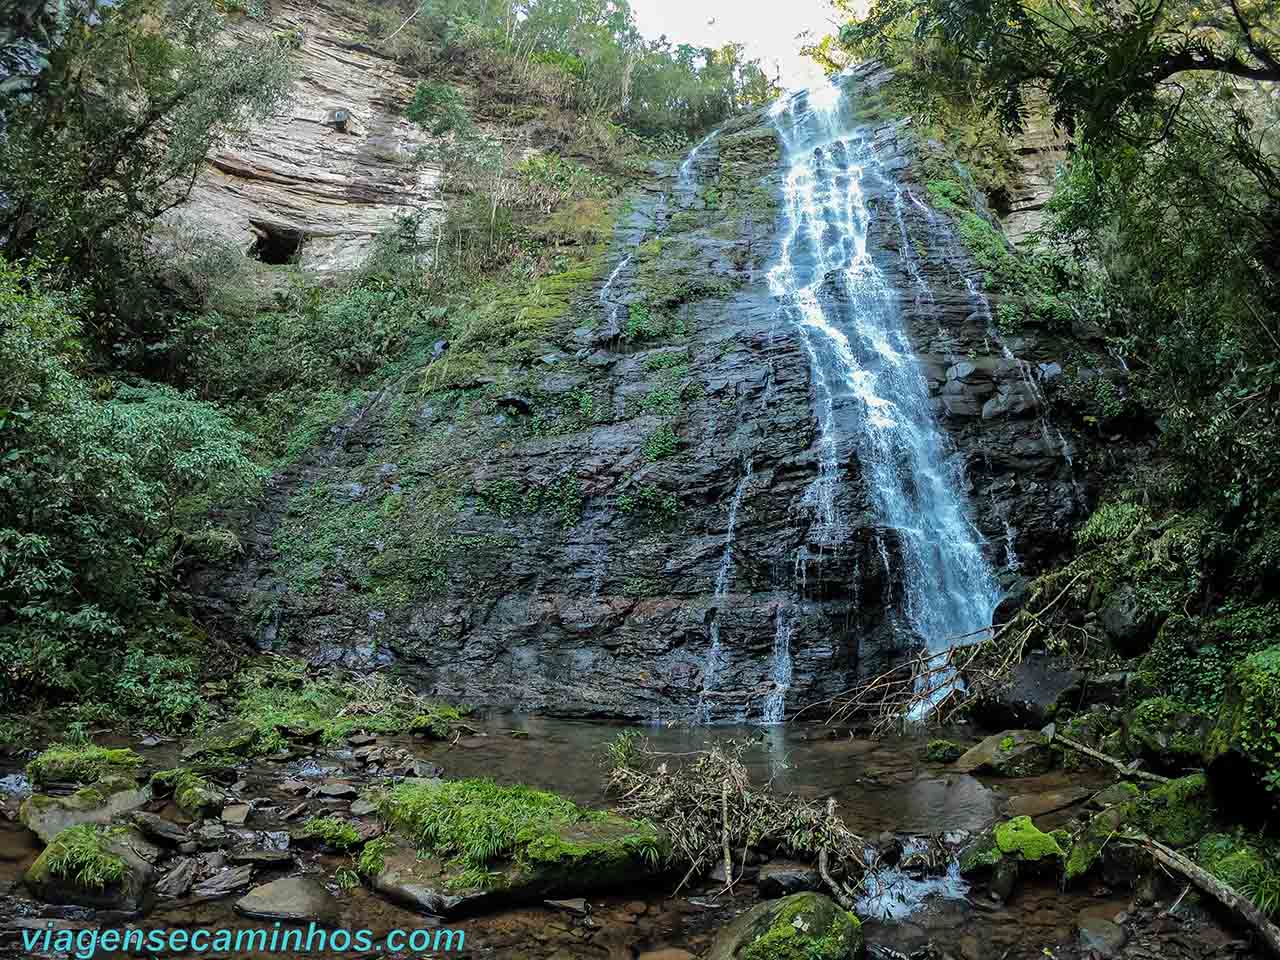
<point>651,504</point>
<point>645,324</point>
<point>1248,865</point>
<point>562,498</point>
<point>333,832</point>
<point>101,483</point>
<point>1249,722</point>
<point>79,763</point>
<point>275,695</point>
<point>81,855</point>
<point>943,751</point>
<point>662,443</point>
<point>439,109</point>
<point>475,821</point>
<point>372,859</point>
<point>135,96</point>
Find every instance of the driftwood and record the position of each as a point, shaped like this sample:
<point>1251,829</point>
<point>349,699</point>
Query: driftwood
<point>1050,733</point>
<point>1239,905</point>
<point>838,892</point>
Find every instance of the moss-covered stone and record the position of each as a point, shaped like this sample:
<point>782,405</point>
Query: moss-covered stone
<point>1121,792</point>
<point>943,751</point>
<point>804,926</point>
<point>1180,812</point>
<point>1014,753</point>
<point>233,738</point>
<point>483,844</point>
<point>1167,733</point>
<point>93,866</point>
<point>1090,841</point>
<point>98,803</point>
<point>192,794</point>
<point>80,763</point>
<point>1017,840</point>
<point>1242,750</point>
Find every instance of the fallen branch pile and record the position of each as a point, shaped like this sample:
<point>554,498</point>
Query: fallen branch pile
<point>712,813</point>
<point>936,684</point>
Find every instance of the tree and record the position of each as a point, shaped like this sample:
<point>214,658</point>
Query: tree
<point>114,131</point>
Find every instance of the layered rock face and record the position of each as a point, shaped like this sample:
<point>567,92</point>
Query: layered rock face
<point>630,529</point>
<point>315,184</point>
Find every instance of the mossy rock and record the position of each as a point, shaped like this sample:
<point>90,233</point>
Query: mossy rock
<point>1017,840</point>
<point>1242,750</point>
<point>1091,729</point>
<point>233,738</point>
<point>1180,812</point>
<point>1168,734</point>
<point>484,845</point>
<point>1121,792</point>
<point>803,926</point>
<point>99,803</point>
<point>1088,844</point>
<point>1013,753</point>
<point>195,796</point>
<point>94,866</point>
<point>943,751</point>
<point>80,763</point>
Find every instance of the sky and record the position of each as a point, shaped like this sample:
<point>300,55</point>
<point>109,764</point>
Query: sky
<point>767,28</point>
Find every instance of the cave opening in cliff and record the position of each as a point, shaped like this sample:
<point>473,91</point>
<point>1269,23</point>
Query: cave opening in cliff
<point>276,244</point>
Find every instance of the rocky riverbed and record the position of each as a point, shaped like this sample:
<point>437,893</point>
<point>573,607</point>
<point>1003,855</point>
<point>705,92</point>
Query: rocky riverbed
<point>224,869</point>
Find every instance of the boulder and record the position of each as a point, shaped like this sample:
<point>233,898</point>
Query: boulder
<point>194,795</point>
<point>1088,843</point>
<point>291,900</point>
<point>236,737</point>
<point>81,763</point>
<point>1180,812</point>
<point>1016,841</point>
<point>1098,936</point>
<point>94,866</point>
<point>179,878</point>
<point>781,878</point>
<point>1127,623</point>
<point>1031,694</point>
<point>223,883</point>
<point>565,861</point>
<point>1241,753</point>
<point>1167,734</point>
<point>159,829</point>
<point>804,926</point>
<point>1013,753</point>
<point>101,803</point>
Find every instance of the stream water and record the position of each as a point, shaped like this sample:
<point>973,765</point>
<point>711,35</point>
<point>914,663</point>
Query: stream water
<point>880,787</point>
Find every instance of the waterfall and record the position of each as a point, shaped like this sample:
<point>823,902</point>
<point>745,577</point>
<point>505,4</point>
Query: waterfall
<point>871,396</point>
<point>714,663</point>
<point>775,704</point>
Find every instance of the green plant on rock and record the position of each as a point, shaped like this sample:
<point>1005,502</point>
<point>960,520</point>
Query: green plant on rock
<point>662,443</point>
<point>80,854</point>
<point>1247,865</point>
<point>80,763</point>
<point>943,751</point>
<point>372,859</point>
<point>652,504</point>
<point>333,832</point>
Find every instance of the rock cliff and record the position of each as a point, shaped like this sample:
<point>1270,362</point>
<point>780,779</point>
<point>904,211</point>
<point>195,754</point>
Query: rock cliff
<point>577,545</point>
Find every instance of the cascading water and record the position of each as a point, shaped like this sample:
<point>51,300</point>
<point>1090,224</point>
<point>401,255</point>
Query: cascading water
<point>871,395</point>
<point>714,664</point>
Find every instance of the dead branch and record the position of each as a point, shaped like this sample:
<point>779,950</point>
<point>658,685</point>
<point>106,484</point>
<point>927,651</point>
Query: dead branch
<point>1240,905</point>
<point>1051,734</point>
<point>708,806</point>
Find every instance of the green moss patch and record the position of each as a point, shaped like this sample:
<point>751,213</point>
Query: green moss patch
<point>1097,833</point>
<point>1167,732</point>
<point>1017,840</point>
<point>79,763</point>
<point>277,699</point>
<point>477,826</point>
<point>1244,744</point>
<point>193,794</point>
<point>804,926</point>
<point>1180,812</point>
